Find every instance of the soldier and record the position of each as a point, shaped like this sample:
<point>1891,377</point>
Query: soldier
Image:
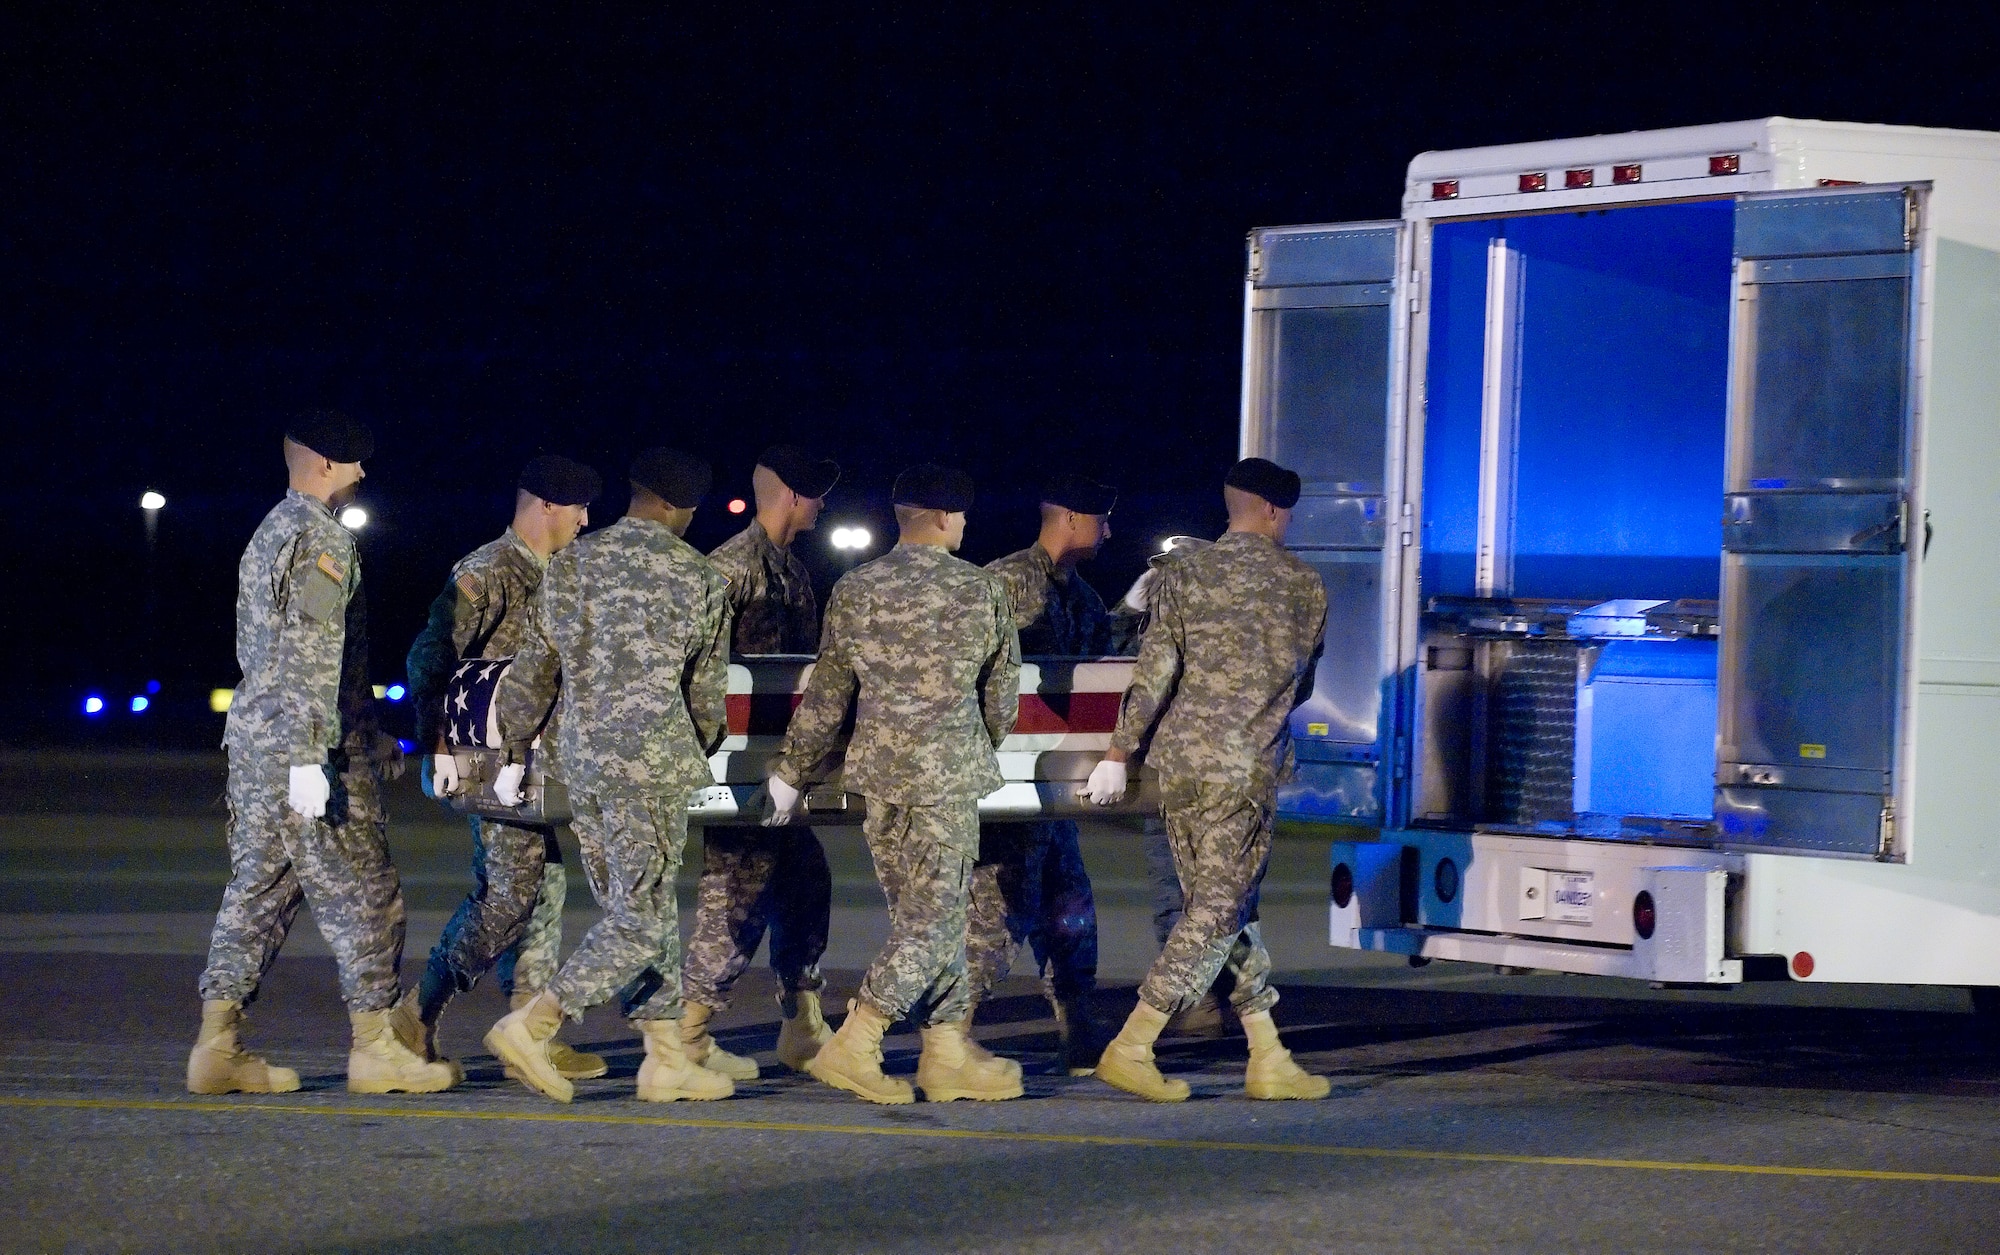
<point>305,764</point>
<point>636,625</point>
<point>923,647</point>
<point>1030,880</point>
<point>1235,632</point>
<point>514,913</point>
<point>754,878</point>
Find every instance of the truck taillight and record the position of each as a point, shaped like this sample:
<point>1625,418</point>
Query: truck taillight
<point>1444,879</point>
<point>1343,885</point>
<point>1534,183</point>
<point>1626,174</point>
<point>1445,190</point>
<point>1727,163</point>
<point>1802,964</point>
<point>1579,178</point>
<point>1644,917</point>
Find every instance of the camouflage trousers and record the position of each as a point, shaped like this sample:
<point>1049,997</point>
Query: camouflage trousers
<point>512,919</point>
<point>339,865</point>
<point>1169,903</point>
<point>631,853</point>
<point>755,880</point>
<point>923,857</point>
<point>1030,884</point>
<point>1220,837</point>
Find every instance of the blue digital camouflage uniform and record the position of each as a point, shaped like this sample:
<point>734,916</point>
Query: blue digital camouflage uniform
<point>1229,650</point>
<point>922,646</point>
<point>1030,880</point>
<point>631,628</point>
<point>755,878</point>
<point>512,919</point>
<point>302,643</point>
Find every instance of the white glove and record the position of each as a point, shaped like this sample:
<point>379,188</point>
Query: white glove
<point>309,791</point>
<point>1138,596</point>
<point>1107,783</point>
<point>786,803</point>
<point>507,785</point>
<point>444,775</point>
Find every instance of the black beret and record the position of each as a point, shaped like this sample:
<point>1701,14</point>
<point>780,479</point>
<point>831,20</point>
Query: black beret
<point>1268,480</point>
<point>928,486</point>
<point>1085,496</point>
<point>559,481</point>
<point>332,435</point>
<point>679,479</point>
<point>803,473</point>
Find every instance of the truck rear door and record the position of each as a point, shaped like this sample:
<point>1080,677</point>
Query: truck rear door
<point>1322,336</point>
<point>1817,517</point>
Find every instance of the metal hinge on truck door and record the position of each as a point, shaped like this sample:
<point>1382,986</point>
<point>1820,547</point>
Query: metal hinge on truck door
<point>1886,849</point>
<point>1409,525</point>
<point>1909,218</point>
<point>1256,258</point>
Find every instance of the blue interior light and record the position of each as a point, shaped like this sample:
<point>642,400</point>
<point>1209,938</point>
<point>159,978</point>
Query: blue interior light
<point>93,705</point>
<point>139,705</point>
<point>153,687</point>
<point>395,692</point>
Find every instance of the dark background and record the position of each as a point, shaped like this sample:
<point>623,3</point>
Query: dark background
<point>1013,242</point>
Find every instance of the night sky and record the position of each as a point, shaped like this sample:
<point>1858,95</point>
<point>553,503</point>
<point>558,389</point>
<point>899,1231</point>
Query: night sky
<point>1010,242</point>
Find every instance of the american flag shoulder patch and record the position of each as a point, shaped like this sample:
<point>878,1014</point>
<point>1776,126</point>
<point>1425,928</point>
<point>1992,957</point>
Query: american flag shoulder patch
<point>470,587</point>
<point>332,568</point>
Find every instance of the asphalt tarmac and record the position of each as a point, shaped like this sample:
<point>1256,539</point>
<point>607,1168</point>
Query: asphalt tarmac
<point>1470,1111</point>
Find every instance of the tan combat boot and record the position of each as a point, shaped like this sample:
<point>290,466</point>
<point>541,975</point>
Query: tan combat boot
<point>803,1032</point>
<point>1271,1073</point>
<point>573,1064</point>
<point>704,1051</point>
<point>669,1073</point>
<point>381,1064</point>
<point>852,1059</point>
<point>955,1066</point>
<point>218,1064</point>
<point>1128,1061</point>
<point>521,1041</point>
<point>1203,1018</point>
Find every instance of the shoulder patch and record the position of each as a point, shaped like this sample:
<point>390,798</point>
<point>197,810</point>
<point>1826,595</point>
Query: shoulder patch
<point>469,586</point>
<point>334,568</point>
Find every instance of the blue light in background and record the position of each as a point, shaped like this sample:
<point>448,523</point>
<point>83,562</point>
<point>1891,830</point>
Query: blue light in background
<point>139,705</point>
<point>395,692</point>
<point>153,687</point>
<point>93,705</point>
<point>408,747</point>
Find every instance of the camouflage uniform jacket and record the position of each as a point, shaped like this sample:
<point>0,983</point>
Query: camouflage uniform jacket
<point>1058,614</point>
<point>1229,651</point>
<point>632,624</point>
<point>301,636</point>
<point>481,613</point>
<point>776,612</point>
<point>924,646</point>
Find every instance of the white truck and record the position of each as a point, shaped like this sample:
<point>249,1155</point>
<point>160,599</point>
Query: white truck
<point>1655,481</point>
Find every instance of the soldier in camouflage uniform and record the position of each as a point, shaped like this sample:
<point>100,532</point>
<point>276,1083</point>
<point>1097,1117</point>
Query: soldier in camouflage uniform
<point>1235,634</point>
<point>755,878</point>
<point>305,764</point>
<point>923,647</point>
<point>1030,881</point>
<point>635,623</point>
<point>514,913</point>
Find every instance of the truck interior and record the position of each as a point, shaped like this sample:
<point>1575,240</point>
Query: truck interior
<point>1572,534</point>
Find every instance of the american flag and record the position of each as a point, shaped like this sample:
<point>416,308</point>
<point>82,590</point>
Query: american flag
<point>470,720</point>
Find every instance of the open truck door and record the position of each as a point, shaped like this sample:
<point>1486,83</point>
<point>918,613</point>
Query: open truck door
<point>1323,338</point>
<point>1820,520</point>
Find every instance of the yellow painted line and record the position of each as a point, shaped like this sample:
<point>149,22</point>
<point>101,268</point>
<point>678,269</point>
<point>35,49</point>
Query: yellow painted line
<point>1001,1135</point>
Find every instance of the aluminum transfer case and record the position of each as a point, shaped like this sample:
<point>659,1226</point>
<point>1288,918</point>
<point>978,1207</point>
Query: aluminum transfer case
<point>1655,480</point>
<point>1069,707</point>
